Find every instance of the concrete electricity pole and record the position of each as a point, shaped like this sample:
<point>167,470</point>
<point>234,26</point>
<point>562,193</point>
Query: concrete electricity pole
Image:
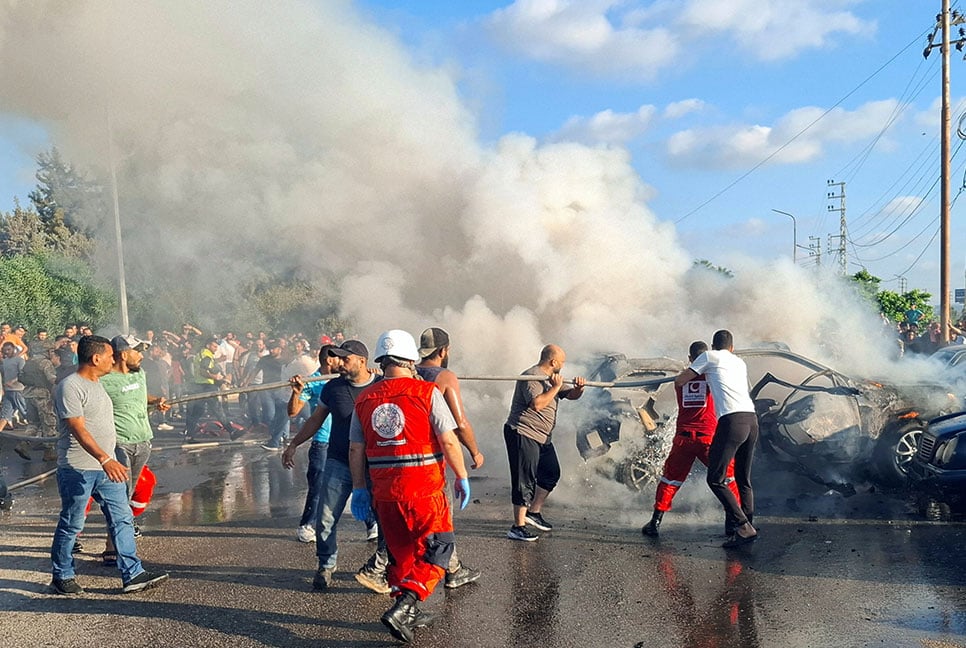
<point>943,22</point>
<point>843,230</point>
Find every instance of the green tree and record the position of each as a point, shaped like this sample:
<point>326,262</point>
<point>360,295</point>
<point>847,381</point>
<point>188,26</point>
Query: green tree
<point>63,189</point>
<point>704,263</point>
<point>867,284</point>
<point>23,231</point>
<point>47,291</point>
<point>895,305</point>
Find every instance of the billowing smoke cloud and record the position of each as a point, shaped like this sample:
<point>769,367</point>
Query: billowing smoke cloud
<point>294,135</point>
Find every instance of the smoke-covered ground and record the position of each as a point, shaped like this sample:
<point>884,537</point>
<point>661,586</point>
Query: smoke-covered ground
<point>298,136</point>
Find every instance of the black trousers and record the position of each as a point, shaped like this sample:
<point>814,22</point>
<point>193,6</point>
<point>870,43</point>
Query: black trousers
<point>734,438</point>
<point>531,464</point>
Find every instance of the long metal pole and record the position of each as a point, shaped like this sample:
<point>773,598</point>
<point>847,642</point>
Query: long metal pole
<point>944,214</point>
<point>122,284</point>
<point>794,235</point>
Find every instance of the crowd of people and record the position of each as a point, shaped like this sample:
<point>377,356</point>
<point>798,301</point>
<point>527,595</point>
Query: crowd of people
<point>381,439</point>
<point>917,337</point>
<point>175,364</point>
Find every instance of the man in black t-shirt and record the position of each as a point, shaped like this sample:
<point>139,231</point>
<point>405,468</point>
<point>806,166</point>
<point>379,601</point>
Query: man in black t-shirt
<point>338,400</point>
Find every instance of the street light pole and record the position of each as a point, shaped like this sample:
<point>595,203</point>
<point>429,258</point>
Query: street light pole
<point>122,285</point>
<point>794,234</point>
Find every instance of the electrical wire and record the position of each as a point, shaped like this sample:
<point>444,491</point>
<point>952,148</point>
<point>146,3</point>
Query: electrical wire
<point>781,148</point>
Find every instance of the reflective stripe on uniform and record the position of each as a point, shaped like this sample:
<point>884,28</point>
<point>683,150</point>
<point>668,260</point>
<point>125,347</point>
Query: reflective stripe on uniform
<point>671,482</point>
<point>401,461</point>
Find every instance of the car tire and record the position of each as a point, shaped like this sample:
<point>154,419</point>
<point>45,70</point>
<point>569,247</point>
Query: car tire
<point>894,450</point>
<point>638,472</point>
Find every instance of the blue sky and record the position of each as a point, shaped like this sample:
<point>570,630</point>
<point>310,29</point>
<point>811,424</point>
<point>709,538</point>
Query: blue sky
<point>721,106</point>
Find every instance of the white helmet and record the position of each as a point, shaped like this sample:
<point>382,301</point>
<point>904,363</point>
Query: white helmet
<point>398,344</point>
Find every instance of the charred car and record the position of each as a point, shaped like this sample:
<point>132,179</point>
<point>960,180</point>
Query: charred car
<point>939,466</point>
<point>835,429</point>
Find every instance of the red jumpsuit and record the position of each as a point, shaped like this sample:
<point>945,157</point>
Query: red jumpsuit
<point>695,428</point>
<point>407,471</point>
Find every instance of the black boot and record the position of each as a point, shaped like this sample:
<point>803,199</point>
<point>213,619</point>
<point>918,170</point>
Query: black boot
<point>651,528</point>
<point>402,617</point>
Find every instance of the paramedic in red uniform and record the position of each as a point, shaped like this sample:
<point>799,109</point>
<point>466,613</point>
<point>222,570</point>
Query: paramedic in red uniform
<point>404,428</point>
<point>695,429</point>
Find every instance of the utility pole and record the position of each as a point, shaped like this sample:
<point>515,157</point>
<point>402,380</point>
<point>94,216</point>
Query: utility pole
<point>815,250</point>
<point>843,230</point>
<point>943,23</point>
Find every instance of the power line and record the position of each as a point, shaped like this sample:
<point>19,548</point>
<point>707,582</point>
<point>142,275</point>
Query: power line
<point>796,136</point>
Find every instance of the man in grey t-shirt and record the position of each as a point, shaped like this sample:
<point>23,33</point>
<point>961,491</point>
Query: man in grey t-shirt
<point>534,469</point>
<point>86,468</point>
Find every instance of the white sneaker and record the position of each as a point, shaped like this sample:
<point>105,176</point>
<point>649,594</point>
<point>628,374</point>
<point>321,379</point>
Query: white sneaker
<point>305,533</point>
<point>165,427</point>
<point>372,532</point>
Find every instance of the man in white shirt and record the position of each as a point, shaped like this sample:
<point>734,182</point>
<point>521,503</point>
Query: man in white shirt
<point>735,435</point>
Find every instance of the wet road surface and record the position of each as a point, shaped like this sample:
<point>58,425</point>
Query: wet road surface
<point>826,571</point>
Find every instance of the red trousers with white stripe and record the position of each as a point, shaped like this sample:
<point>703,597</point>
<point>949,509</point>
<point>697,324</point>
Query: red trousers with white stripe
<point>419,537</point>
<point>677,467</point>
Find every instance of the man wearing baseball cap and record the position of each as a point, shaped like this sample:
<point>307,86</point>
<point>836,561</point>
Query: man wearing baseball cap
<point>127,387</point>
<point>433,366</point>
<point>337,399</point>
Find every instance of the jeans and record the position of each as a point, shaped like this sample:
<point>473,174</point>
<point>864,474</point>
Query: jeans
<point>314,474</point>
<point>336,488</point>
<point>13,400</point>
<point>76,487</point>
<point>279,424</point>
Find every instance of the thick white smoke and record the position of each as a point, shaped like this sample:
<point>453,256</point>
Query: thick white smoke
<point>296,135</point>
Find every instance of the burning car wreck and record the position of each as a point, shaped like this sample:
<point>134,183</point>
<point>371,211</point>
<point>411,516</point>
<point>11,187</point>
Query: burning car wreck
<point>834,429</point>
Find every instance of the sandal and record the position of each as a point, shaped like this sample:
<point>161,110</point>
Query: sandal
<point>109,558</point>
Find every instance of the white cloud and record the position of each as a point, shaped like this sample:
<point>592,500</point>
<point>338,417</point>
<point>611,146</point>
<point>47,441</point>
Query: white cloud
<point>793,138</point>
<point>606,127</point>
<point>637,40</point>
<point>679,109</point>
<point>773,29</point>
<point>581,35</point>
<point>609,127</point>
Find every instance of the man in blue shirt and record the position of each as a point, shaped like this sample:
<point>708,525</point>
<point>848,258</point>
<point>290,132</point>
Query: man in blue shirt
<point>303,393</point>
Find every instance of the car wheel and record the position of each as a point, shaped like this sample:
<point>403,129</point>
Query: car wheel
<point>637,473</point>
<point>894,451</point>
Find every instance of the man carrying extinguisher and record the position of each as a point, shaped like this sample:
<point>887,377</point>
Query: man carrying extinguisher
<point>127,387</point>
<point>404,429</point>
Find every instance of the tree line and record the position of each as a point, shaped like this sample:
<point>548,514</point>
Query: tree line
<point>53,270</point>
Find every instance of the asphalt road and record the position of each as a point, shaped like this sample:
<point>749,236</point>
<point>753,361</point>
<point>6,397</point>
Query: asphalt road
<point>827,571</point>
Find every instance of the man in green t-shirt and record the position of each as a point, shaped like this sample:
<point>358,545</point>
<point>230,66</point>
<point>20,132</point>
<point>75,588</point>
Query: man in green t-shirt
<point>127,387</point>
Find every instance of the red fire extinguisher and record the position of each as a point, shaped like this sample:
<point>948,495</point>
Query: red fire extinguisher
<point>143,490</point>
<point>141,497</point>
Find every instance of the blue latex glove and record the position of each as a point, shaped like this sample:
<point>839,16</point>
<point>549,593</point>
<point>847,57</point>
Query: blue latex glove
<point>462,488</point>
<point>361,504</point>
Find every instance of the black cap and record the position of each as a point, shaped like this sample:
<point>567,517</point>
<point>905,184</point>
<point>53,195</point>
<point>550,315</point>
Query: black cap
<point>432,339</point>
<point>350,347</point>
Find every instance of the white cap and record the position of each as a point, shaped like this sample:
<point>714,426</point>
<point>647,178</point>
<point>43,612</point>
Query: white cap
<point>398,344</point>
